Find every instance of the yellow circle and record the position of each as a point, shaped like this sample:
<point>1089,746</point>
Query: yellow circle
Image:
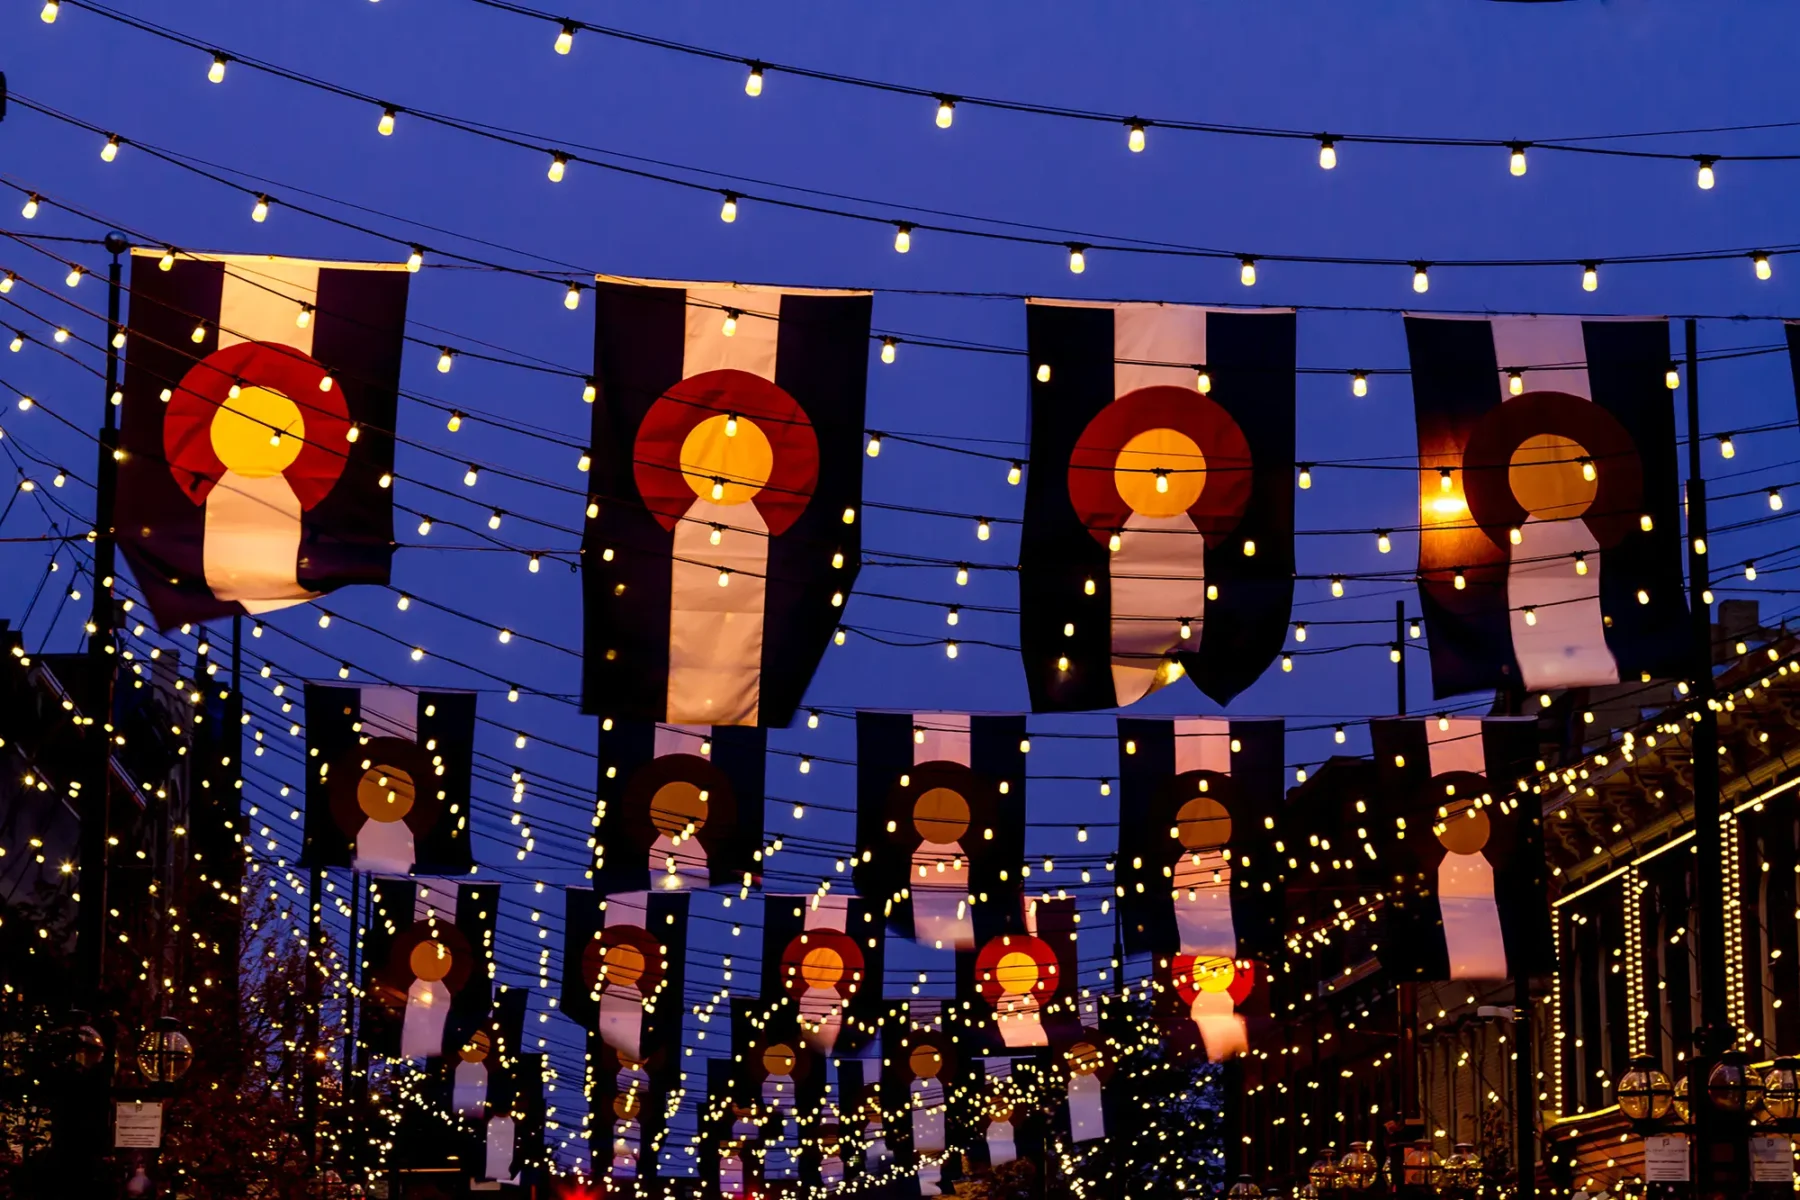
<point>430,961</point>
<point>677,805</point>
<point>779,1059</point>
<point>822,967</point>
<point>1085,1058</point>
<point>259,433</point>
<point>1547,477</point>
<point>925,1062</point>
<point>1160,456</point>
<point>385,793</point>
<point>1466,828</point>
<point>622,965</point>
<point>736,464</point>
<point>1016,973</point>
<point>626,1104</point>
<point>940,815</point>
<point>476,1048</point>
<point>1213,973</point>
<point>1203,824</point>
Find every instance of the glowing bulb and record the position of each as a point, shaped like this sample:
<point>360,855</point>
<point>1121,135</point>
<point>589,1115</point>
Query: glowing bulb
<point>1645,523</point>
<point>110,151</point>
<point>416,259</point>
<point>1202,380</point>
<point>584,462</point>
<point>1337,735</point>
<point>1581,567</point>
<point>1014,473</point>
<point>565,38</point>
<point>74,276</point>
<point>849,516</point>
<point>1671,378</point>
<point>950,649</point>
<point>1305,476</point>
<point>1162,480</point>
<point>1043,373</point>
<point>167,261</point>
<point>60,336</point>
<point>874,448</point>
<point>304,317</point>
<point>590,391</point>
<point>1359,383</point>
<point>1515,382</point>
<point>717,535</point>
<point>424,528</point>
<point>1774,500</point>
<point>1421,280</point>
<point>1077,259</point>
<point>962,575</point>
<point>902,238</point>
<point>1760,261</point>
<point>1381,541</point>
<point>1113,543</point>
<point>1337,585</point>
<point>1515,535</point>
<point>1750,571</point>
<point>18,342</point>
<point>724,577</point>
<point>1460,581</point>
<point>50,9</point>
<point>471,475</point>
<point>1394,653</point>
<point>982,531</point>
<point>753,82</point>
<point>216,72</point>
<point>1587,470</point>
<point>946,112</point>
<point>718,489</point>
<point>445,357</point>
<point>260,213</point>
<point>731,424</point>
<point>1517,163</point>
<point>572,297</point>
<point>729,326</point>
<point>1327,153</point>
<point>1187,630</point>
<point>494,519</point>
<point>1705,176</point>
<point>1247,272</point>
<point>559,166</point>
<point>199,334</point>
<point>1134,141</point>
<point>888,345</point>
<point>385,126</point>
<point>31,206</point>
<point>1726,449</point>
<point>728,210</point>
<point>1590,277</point>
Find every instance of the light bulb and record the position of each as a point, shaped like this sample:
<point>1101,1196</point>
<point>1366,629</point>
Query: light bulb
<point>1187,630</point>
<point>304,317</point>
<point>49,11</point>
<point>18,342</point>
<point>950,649</point>
<point>60,336</point>
<point>874,448</point>
<point>887,349</point>
<point>1460,582</point>
<point>1202,380</point>
<point>1517,162</point>
<point>1337,585</point>
<point>424,528</point>
<point>718,489</point>
<point>325,383</point>
<point>455,422</point>
<point>729,326</point>
<point>385,126</point>
<point>1774,500</point>
<point>110,151</point>
<point>1305,479</point>
<point>1359,383</point>
<point>1421,279</point>
<point>1013,474</point>
<point>31,206</point>
<point>1645,523</point>
<point>962,575</point>
<point>584,462</point>
<point>731,424</point>
<point>73,278</point>
<point>166,262</point>
<point>572,297</point>
<point>1337,735</point>
<point>1590,277</point>
<point>1581,567</point>
<point>1162,480</point>
<point>471,475</point>
<point>1134,141</point>
<point>199,334</point>
<point>260,212</point>
<point>416,259</point>
<point>982,531</point>
<point>1672,378</point>
<point>728,210</point>
<point>1726,449</point>
<point>1394,653</point>
<point>946,112</point>
<point>445,357</point>
<point>559,166</point>
<point>1114,542</point>
<point>235,390</point>
<point>1077,259</point>
<point>1515,535</point>
<point>1247,272</point>
<point>1750,571</point>
<point>1515,382</point>
<point>216,72</point>
<point>494,519</point>
<point>1381,541</point>
<point>902,238</point>
<point>753,81</point>
<point>1760,261</point>
<point>1413,629</point>
<point>590,391</point>
<point>716,535</point>
<point>1588,471</point>
<point>1705,175</point>
<point>1043,373</point>
<point>1327,153</point>
<point>565,38</point>
<point>724,577</point>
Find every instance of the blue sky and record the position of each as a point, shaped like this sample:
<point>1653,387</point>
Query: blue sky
<point>1467,68</point>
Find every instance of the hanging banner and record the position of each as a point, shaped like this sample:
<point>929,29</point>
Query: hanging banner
<point>479,1060</point>
<point>940,812</point>
<point>823,954</point>
<point>920,1067</point>
<point>1205,1003</point>
<point>428,965</point>
<point>781,1079</point>
<point>866,1155</point>
<point>627,1096</point>
<point>623,967</point>
<point>679,807</point>
<point>1159,517</point>
<point>1083,1055</point>
<point>1199,803</point>
<point>388,781</point>
<point>1550,554</point>
<point>241,490</point>
<point>730,1140</point>
<point>1466,898</point>
<point>1027,980</point>
<point>727,452</point>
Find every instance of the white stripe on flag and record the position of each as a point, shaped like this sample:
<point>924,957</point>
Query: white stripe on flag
<point>1521,343</point>
<point>941,737</point>
<point>260,299</point>
<point>1156,333</point>
<point>750,347</point>
<point>1457,748</point>
<point>1202,744</point>
<point>390,712</point>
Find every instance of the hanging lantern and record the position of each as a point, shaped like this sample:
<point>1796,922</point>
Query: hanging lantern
<point>1358,1170</point>
<point>1734,1087</point>
<point>1644,1091</point>
<point>1244,1189</point>
<point>1323,1174</point>
<point>163,1051</point>
<point>80,1044</point>
<point>1781,1089</point>
<point>1462,1170</point>
<point>1421,1167</point>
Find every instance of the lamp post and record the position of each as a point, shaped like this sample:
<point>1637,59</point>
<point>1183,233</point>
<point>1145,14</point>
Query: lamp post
<point>1644,1093</point>
<point>164,1052</point>
<point>1781,1092</point>
<point>1358,1169</point>
<point>1733,1087</point>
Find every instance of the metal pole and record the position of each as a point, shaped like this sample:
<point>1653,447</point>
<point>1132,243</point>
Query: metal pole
<point>95,799</point>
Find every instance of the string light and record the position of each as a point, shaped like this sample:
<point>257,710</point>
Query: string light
<point>565,38</point>
<point>728,210</point>
<point>1247,271</point>
<point>1014,473</point>
<point>445,357</point>
<point>1299,631</point>
<point>946,111</point>
<point>1337,735</point>
<point>1421,277</point>
<point>572,297</point>
<point>73,278</point>
<point>1305,480</point>
<point>1774,500</point>
<point>902,238</point>
<point>1515,382</point>
<point>50,10</point>
<point>1672,378</point>
<point>385,126</point>
<point>1581,567</point>
<point>1359,383</point>
<point>1645,523</point>
<point>1750,571</point>
<point>1760,262</point>
<point>1516,163</point>
<point>29,211</point>
<point>962,574</point>
<point>949,649</point>
<point>1460,581</point>
<point>1043,373</point>
<point>1327,153</point>
<point>1726,448</point>
<point>1590,276</point>
<point>471,475</point>
<point>1588,471</point>
<point>982,531</point>
<point>753,82</point>
<point>216,72</point>
<point>304,317</point>
<point>494,519</point>
<point>874,448</point>
<point>1382,543</point>
<point>1337,585</point>
<point>1134,140</point>
<point>888,345</point>
<point>559,166</point>
<point>1077,258</point>
<point>590,390</point>
<point>415,259</point>
<point>1202,380</point>
<point>110,151</point>
<point>455,421</point>
<point>728,328</point>
<point>1704,177</point>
